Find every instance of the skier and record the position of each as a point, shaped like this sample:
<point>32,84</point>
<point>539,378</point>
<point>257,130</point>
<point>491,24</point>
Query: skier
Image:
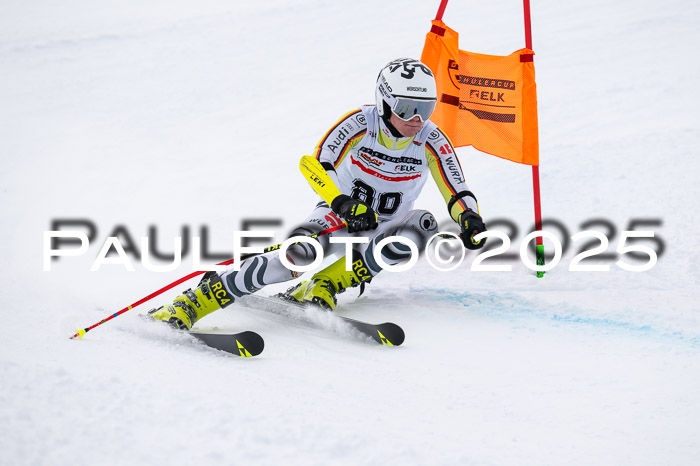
<point>378,156</point>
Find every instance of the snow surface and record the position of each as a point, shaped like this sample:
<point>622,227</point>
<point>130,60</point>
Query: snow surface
<point>177,113</point>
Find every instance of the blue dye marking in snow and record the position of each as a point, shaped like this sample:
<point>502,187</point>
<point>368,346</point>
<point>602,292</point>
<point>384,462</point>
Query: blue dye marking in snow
<point>513,307</point>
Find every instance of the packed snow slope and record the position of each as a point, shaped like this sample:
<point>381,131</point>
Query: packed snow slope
<point>180,114</point>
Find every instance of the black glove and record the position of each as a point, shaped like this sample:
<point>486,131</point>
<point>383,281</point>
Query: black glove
<point>471,224</point>
<point>358,215</point>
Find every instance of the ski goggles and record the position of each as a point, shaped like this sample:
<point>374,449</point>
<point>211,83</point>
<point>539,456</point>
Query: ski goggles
<point>406,108</point>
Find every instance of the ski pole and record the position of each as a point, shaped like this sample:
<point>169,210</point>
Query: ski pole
<point>79,333</point>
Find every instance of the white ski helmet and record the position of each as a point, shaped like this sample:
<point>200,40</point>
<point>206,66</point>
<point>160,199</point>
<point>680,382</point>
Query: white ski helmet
<point>407,88</point>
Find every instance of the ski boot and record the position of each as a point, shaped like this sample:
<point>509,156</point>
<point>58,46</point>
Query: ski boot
<point>324,285</point>
<point>192,305</point>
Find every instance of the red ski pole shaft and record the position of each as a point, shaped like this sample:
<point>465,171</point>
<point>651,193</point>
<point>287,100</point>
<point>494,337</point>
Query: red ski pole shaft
<point>79,334</point>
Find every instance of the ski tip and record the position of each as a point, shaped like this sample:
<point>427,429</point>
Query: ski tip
<point>254,344</point>
<point>391,335</point>
<point>244,344</point>
<point>78,335</point>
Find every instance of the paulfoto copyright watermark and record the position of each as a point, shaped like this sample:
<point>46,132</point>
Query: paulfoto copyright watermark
<point>633,250</point>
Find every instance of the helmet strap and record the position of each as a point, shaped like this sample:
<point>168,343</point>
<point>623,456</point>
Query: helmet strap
<point>385,118</point>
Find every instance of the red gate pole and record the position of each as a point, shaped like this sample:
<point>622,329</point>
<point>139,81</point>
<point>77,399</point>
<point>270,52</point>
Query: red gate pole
<point>539,246</point>
<point>441,10</point>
